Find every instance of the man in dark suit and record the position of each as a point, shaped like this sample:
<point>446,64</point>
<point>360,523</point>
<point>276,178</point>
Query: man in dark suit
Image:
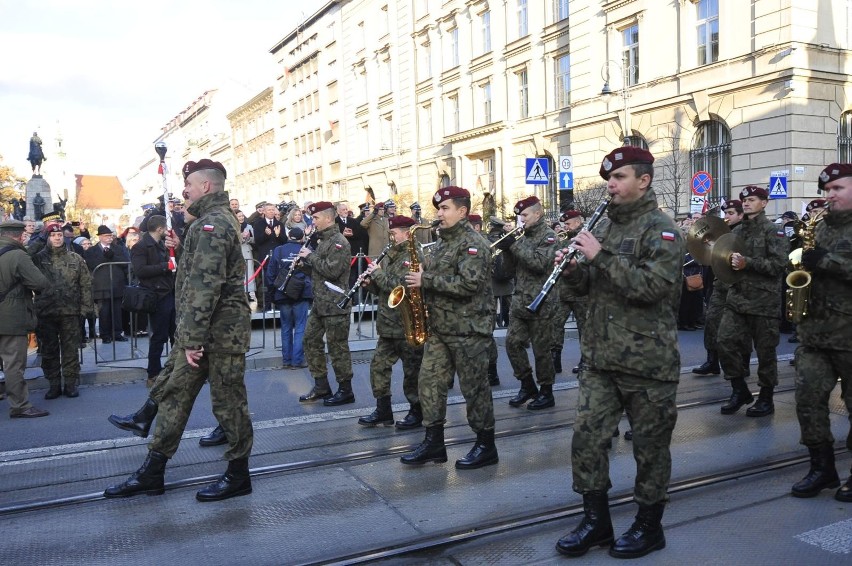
<point>108,290</point>
<point>269,233</point>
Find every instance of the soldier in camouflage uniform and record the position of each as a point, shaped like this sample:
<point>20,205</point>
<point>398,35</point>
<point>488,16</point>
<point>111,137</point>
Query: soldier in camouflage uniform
<point>752,306</point>
<point>825,350</point>
<point>456,286</point>
<point>212,337</point>
<point>632,277</point>
<point>532,256</point>
<point>59,308</point>
<point>568,303</point>
<point>716,305</point>
<point>392,345</point>
<point>329,263</point>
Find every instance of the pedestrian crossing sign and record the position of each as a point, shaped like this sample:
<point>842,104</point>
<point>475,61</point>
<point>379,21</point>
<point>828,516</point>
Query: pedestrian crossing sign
<point>778,186</point>
<point>537,171</point>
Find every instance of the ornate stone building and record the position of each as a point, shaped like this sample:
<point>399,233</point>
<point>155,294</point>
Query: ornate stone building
<point>252,176</point>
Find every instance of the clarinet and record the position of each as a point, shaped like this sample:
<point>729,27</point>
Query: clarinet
<point>573,253</point>
<point>296,262</point>
<point>341,304</point>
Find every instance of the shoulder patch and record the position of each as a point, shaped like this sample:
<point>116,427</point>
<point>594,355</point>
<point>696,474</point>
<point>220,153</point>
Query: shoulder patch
<point>550,239</point>
<point>668,236</point>
<point>208,228</point>
<point>472,251</point>
<point>628,246</point>
<point>781,234</point>
<point>338,246</point>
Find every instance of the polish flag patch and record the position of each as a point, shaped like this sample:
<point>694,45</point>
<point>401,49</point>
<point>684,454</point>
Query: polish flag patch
<point>338,246</point>
<point>781,234</point>
<point>550,240</point>
<point>208,228</point>
<point>406,263</point>
<point>472,251</point>
<point>668,236</point>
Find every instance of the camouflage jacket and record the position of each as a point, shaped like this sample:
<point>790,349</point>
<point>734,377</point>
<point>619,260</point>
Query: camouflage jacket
<point>829,321</point>
<point>70,290</point>
<point>456,283</point>
<point>394,268</point>
<point>532,257</point>
<point>18,279</point>
<point>565,294</point>
<point>765,251</point>
<point>633,287</point>
<point>329,262</point>
<point>212,308</point>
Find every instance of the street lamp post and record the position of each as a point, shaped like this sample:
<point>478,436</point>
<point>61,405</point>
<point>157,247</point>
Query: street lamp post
<point>606,92</point>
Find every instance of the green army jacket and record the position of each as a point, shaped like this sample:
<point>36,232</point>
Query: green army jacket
<point>532,257</point>
<point>20,277</point>
<point>394,268</point>
<point>758,293</point>
<point>212,308</point>
<point>633,287</point>
<point>70,290</point>
<point>329,262</point>
<point>829,321</point>
<point>456,283</point>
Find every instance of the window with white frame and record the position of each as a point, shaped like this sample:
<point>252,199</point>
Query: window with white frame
<point>364,140</point>
<point>844,138</point>
<point>426,124</point>
<point>523,18</point>
<point>360,37</point>
<point>630,54</point>
<point>453,48</point>
<point>384,25</point>
<point>523,94</point>
<point>708,31</point>
<point>486,31</point>
<point>560,10</point>
<point>485,101</point>
<point>385,74</point>
<point>452,121</point>
<point>562,75</point>
<point>424,61</point>
<point>388,143</point>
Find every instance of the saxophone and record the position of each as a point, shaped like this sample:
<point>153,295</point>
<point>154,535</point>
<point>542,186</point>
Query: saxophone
<point>412,309</point>
<point>799,281</point>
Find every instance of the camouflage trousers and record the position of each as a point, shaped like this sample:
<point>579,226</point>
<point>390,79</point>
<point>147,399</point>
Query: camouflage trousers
<point>563,309</point>
<point>388,351</point>
<point>651,407</point>
<point>712,320</point>
<point>466,356</point>
<point>817,371</point>
<point>60,344</point>
<point>178,389</point>
<point>737,333</point>
<point>521,332</point>
<point>336,332</point>
<point>159,386</point>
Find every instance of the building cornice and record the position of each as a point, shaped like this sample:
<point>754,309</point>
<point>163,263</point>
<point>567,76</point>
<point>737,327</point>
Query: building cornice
<point>615,5</point>
<point>475,132</point>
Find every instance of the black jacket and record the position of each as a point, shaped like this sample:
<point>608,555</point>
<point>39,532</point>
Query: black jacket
<point>150,261</point>
<point>96,256</point>
<point>359,240</point>
<point>265,243</point>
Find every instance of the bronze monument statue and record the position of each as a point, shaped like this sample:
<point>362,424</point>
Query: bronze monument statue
<point>38,206</point>
<point>36,156</point>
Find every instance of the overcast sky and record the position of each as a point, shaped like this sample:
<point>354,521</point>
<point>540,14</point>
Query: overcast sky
<point>113,72</point>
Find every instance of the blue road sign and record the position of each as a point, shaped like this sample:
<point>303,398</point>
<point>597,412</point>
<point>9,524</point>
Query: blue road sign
<point>777,187</point>
<point>702,183</point>
<point>537,171</point>
<point>566,181</point>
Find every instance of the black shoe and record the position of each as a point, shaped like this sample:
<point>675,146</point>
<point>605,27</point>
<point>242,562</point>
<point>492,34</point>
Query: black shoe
<point>414,418</point>
<point>557,359</point>
<point>575,369</point>
<point>54,391</point>
<point>739,397</point>
<point>794,339</point>
<point>383,415</point>
<point>106,341</point>
<point>844,494</point>
<point>711,366</point>
<point>764,405</point>
<point>483,453</point>
<point>120,338</point>
<point>644,536</point>
<point>216,437</point>
<point>139,423</point>
<point>628,434</point>
<point>71,391</point>
<point>544,399</point>
<point>149,479</point>
<point>822,475</point>
<point>432,449</point>
<point>595,528</point>
<point>315,394</point>
<point>343,396</point>
<point>234,482</point>
<point>527,391</point>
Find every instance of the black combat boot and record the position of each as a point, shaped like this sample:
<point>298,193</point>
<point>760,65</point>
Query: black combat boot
<point>71,387</point>
<point>483,453</point>
<point>343,396</point>
<point>215,438</point>
<point>544,399</point>
<point>527,391</point>
<point>844,494</point>
<point>739,396</point>
<point>54,391</point>
<point>493,379</point>
<point>595,528</point>
<point>139,423</point>
<point>319,392</point>
<point>822,474</point>
<point>711,366</point>
<point>149,479</point>
<point>644,536</point>
<point>414,418</point>
<point>383,415</point>
<point>234,482</point>
<point>556,354</point>
<point>764,405</point>
<point>432,449</point>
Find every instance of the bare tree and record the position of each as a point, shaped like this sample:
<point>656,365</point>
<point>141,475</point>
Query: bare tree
<point>673,171</point>
<point>588,195</point>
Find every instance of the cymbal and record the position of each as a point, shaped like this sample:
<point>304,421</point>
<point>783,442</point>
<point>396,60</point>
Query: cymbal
<point>701,236</point>
<point>720,259</point>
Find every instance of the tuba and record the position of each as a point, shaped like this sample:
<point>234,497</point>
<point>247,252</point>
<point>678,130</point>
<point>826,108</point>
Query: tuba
<point>799,281</point>
<point>412,309</point>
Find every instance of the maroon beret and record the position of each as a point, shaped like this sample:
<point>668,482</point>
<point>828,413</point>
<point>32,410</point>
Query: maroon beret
<point>474,219</point>
<point>400,221</point>
<point>52,227</point>
<point>626,155</point>
<point>816,203</point>
<point>191,167</point>
<point>735,204</point>
<point>446,193</point>
<point>569,214</point>
<point>319,206</point>
<point>833,172</point>
<point>524,204</point>
<point>380,205</point>
<point>754,191</point>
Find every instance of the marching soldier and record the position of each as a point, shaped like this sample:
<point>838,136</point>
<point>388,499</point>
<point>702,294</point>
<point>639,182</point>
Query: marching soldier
<point>392,345</point>
<point>572,220</point>
<point>455,283</point>
<point>825,350</point>
<point>752,306</point>
<point>632,278</point>
<point>328,264</point>
<point>532,256</point>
